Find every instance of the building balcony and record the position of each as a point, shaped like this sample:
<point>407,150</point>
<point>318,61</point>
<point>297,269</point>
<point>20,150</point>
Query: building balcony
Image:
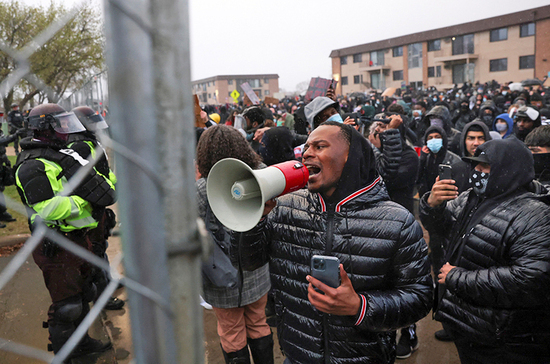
<point>375,68</point>
<point>457,57</point>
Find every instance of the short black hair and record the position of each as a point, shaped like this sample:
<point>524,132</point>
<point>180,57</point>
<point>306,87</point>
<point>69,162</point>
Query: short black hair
<point>255,114</point>
<point>421,104</point>
<point>475,128</point>
<point>539,137</point>
<point>345,130</point>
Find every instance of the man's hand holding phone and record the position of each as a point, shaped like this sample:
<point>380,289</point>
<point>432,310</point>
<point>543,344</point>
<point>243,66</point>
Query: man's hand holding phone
<point>342,301</point>
<point>442,190</point>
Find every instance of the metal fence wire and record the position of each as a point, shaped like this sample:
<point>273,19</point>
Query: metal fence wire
<point>151,122</point>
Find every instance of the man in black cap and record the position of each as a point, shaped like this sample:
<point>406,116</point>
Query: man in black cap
<point>526,119</point>
<point>494,290</point>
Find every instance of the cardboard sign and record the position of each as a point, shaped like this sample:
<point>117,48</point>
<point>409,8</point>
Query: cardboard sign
<point>199,123</point>
<point>271,100</point>
<point>318,87</point>
<point>250,93</point>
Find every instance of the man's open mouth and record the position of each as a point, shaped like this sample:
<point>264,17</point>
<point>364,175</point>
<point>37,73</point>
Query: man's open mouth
<point>313,170</point>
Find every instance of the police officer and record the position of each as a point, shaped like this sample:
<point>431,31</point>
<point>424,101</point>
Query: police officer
<point>86,144</point>
<point>43,169</point>
<point>15,122</point>
<point>6,174</point>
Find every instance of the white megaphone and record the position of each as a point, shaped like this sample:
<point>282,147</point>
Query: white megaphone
<point>237,193</point>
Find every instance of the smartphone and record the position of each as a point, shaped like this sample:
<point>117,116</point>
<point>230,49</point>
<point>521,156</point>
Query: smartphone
<point>445,172</point>
<point>326,269</point>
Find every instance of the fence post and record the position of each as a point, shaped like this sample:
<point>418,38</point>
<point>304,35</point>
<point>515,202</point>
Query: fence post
<point>134,125</point>
<point>173,95</point>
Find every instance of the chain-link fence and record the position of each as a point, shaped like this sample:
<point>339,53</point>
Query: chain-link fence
<point>153,141</point>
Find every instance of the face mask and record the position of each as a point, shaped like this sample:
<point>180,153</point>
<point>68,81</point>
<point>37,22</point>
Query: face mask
<point>419,112</point>
<point>488,119</point>
<point>501,127</point>
<point>435,145</point>
<point>336,117</point>
<point>435,99</point>
<point>436,122</point>
<point>479,180</point>
<point>484,99</point>
<point>504,93</point>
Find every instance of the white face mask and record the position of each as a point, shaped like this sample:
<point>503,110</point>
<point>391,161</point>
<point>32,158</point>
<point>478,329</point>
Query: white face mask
<point>501,127</point>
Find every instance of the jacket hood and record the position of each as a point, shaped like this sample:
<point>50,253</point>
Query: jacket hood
<point>359,172</point>
<point>316,106</point>
<point>488,105</point>
<point>437,129</point>
<point>467,127</point>
<point>508,120</point>
<point>277,146</point>
<point>511,166</point>
<point>442,113</point>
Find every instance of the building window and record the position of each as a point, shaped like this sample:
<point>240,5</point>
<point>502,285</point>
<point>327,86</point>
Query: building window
<point>344,60</point>
<point>463,44</point>
<point>209,96</point>
<point>376,58</point>
<point>357,79</point>
<point>209,85</point>
<point>266,92</point>
<point>397,51</point>
<point>497,65</point>
<point>415,55</point>
<point>229,94</point>
<point>431,71</point>
<point>229,82</point>
<point>499,34</point>
<point>526,62</point>
<point>357,58</point>
<point>254,83</point>
<point>397,75</point>
<point>344,80</point>
<point>527,30</point>
<point>434,45</point>
<point>438,71</point>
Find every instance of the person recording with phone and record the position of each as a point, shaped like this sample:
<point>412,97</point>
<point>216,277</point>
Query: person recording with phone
<point>345,212</point>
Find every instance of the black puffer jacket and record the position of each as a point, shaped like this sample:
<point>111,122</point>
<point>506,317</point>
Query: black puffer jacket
<point>380,246</point>
<point>397,163</point>
<point>499,292</point>
<point>384,255</point>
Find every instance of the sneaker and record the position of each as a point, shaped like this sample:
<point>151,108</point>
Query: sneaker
<point>406,345</point>
<point>6,216</point>
<point>114,304</point>
<point>442,335</point>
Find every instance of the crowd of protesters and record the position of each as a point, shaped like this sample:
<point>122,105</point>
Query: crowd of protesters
<point>375,162</point>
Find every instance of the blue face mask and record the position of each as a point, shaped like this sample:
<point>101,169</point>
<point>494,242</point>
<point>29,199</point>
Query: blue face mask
<point>336,117</point>
<point>501,127</point>
<point>419,112</point>
<point>435,145</point>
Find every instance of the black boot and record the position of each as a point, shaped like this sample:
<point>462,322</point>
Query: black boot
<point>237,357</point>
<point>262,349</point>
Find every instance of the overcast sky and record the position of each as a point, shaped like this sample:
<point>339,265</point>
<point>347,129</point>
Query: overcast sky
<point>294,38</point>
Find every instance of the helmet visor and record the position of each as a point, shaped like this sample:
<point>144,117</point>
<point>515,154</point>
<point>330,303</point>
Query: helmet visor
<point>96,122</point>
<point>67,123</point>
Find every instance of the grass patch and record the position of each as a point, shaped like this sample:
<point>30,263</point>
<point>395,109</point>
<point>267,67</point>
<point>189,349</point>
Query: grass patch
<point>16,227</point>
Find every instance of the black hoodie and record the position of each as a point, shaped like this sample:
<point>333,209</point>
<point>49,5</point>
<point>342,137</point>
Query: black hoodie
<point>359,170</point>
<point>429,162</point>
<point>461,169</point>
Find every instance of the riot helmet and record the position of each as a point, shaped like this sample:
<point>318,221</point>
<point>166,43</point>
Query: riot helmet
<point>91,120</point>
<point>46,116</point>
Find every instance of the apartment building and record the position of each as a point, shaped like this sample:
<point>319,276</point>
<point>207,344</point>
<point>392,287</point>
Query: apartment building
<point>218,89</point>
<point>511,47</point>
